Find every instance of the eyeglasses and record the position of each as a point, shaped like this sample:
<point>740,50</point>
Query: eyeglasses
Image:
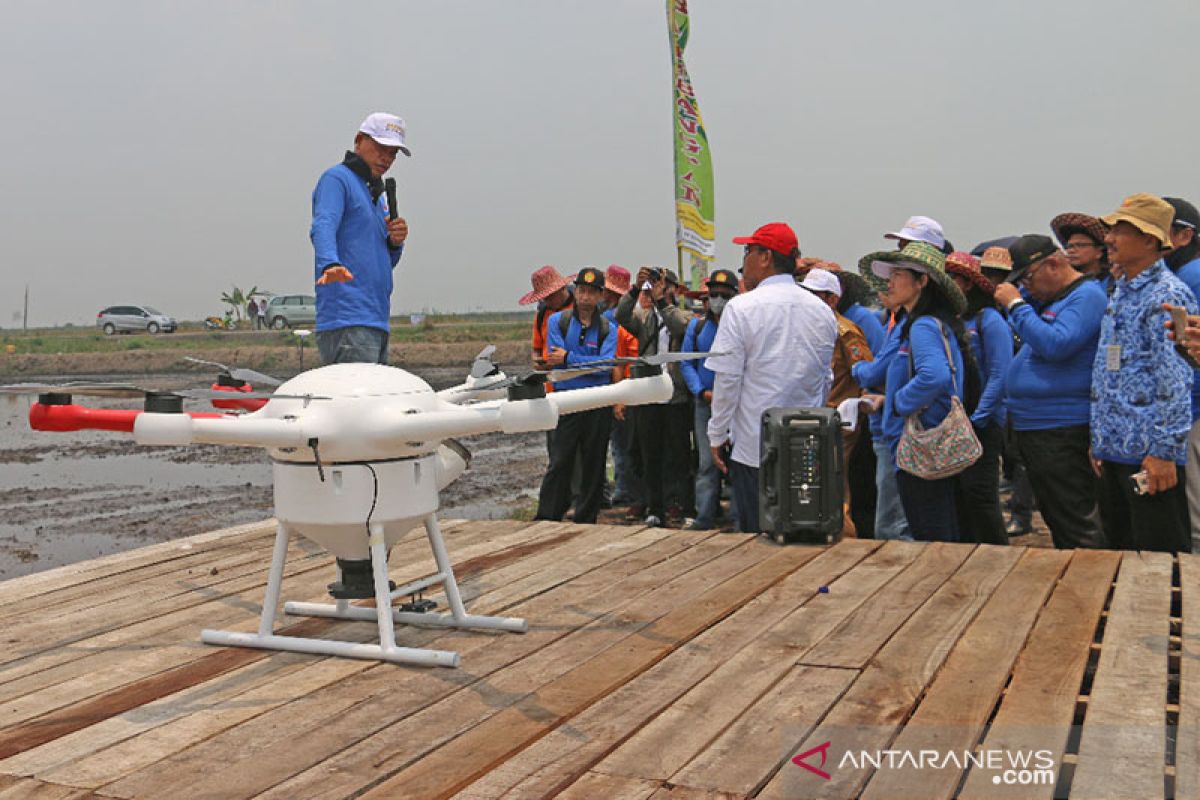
<point>1081,245</point>
<point>750,248</point>
<point>1030,272</point>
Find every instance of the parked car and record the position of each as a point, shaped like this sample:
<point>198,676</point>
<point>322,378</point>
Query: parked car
<point>290,310</point>
<point>127,319</point>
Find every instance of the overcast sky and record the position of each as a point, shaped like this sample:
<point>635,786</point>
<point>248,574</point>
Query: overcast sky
<point>162,152</point>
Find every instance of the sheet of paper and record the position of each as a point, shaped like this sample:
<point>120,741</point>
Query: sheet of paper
<point>848,411</point>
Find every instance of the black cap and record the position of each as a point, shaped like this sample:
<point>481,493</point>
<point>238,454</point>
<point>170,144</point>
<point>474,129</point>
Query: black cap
<point>590,276</point>
<point>1029,249</point>
<point>723,277</point>
<point>671,277</point>
<point>1186,215</point>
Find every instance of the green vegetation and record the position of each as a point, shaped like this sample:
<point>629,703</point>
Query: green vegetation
<point>192,336</point>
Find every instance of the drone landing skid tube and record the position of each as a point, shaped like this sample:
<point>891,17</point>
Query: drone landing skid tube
<point>383,614</point>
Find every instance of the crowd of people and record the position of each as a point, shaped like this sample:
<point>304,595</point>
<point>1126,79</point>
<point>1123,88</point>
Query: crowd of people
<point>1064,357</point>
<point>1069,364</point>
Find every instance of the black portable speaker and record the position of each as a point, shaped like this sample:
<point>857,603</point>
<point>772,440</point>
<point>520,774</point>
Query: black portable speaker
<point>801,485</point>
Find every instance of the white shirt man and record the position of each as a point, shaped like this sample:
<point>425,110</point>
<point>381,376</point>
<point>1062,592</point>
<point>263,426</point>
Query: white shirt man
<point>777,343</point>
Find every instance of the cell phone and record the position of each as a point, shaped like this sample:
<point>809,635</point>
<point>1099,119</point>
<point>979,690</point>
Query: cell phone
<point>1179,320</point>
<point>1140,481</point>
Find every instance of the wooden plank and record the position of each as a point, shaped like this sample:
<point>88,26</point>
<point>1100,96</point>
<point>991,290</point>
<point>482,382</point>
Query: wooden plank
<point>310,729</point>
<point>60,578</point>
<point>736,647</point>
<point>859,636</point>
<point>661,748</point>
<point>42,691</point>
<point>208,664</point>
<point>876,705</point>
<point>470,755</point>
<point>746,755</point>
<point>610,787</point>
<point>1039,706</point>
<point>953,713</point>
<point>235,603</point>
<point>108,753</point>
<point>1187,741</point>
<point>30,789</point>
<point>1122,752</point>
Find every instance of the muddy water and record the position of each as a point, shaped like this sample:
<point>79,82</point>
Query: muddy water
<point>65,497</point>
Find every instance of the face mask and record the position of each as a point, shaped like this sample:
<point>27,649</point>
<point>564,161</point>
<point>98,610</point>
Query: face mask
<point>717,304</point>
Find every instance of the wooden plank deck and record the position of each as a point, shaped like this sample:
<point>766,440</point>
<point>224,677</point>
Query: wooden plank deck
<point>658,664</point>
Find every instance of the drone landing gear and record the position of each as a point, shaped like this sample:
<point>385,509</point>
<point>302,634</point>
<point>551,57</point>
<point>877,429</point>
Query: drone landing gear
<point>383,614</point>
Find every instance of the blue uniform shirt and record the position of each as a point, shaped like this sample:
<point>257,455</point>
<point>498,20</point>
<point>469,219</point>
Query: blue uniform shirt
<point>872,375</point>
<point>582,345</point>
<point>992,344</point>
<point>350,229</point>
<point>869,324</point>
<point>1141,388</point>
<point>927,391</point>
<point>1050,379</point>
<point>698,377</point>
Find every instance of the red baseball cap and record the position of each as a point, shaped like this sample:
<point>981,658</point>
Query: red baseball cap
<point>776,236</point>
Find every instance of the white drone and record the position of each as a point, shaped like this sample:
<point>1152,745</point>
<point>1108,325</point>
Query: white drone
<point>359,453</point>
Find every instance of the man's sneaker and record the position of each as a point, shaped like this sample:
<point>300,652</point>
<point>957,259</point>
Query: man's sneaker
<point>636,511</point>
<point>653,521</point>
<point>1017,528</point>
<point>699,525</point>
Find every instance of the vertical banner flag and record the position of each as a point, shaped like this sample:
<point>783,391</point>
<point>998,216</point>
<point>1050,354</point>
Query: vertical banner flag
<point>694,228</point>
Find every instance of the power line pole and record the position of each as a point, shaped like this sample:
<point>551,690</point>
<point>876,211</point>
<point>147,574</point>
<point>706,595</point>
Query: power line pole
<point>25,318</point>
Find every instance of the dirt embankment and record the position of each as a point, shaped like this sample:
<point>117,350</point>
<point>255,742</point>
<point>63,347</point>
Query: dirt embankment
<point>277,360</point>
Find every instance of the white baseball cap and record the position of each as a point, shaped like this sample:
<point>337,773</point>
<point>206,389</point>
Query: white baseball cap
<point>921,229</point>
<point>387,129</point>
<point>822,280</point>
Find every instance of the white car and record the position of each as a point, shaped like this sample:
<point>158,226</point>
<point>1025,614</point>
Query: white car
<point>127,319</point>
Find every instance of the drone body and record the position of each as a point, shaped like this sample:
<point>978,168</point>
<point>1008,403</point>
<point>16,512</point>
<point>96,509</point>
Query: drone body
<point>360,453</point>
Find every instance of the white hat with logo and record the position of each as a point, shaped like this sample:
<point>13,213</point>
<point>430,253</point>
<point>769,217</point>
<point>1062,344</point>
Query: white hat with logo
<point>387,129</point>
<point>920,229</point>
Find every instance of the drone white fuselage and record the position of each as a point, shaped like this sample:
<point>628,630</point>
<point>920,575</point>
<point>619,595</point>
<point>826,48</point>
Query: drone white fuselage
<point>377,434</point>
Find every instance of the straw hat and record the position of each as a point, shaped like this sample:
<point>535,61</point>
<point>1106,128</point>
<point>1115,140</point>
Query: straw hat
<point>616,279</point>
<point>967,265</point>
<point>997,258</point>
<point>872,280</point>
<point>1072,222</point>
<point>927,260</point>
<point>546,281</point>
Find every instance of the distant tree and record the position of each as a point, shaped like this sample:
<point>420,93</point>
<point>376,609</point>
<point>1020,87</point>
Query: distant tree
<point>237,299</point>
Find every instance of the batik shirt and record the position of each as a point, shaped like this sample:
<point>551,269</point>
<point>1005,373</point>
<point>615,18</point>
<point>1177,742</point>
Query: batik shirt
<point>1141,388</point>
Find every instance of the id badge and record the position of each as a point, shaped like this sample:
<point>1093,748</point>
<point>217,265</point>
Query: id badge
<point>1112,357</point>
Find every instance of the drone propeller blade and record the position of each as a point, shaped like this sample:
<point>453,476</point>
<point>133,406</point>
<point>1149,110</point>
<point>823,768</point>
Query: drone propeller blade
<point>483,364</point>
<point>217,394</point>
<point>221,367</point>
<point>85,388</point>
<point>238,373</point>
<point>670,358</point>
<point>253,376</point>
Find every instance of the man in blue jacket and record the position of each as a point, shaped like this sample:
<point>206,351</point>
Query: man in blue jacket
<point>722,286</point>
<point>589,336</point>
<point>1141,388</point>
<point>357,245</point>
<point>1048,394</point>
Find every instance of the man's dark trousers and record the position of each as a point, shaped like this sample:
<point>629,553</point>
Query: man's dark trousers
<point>582,435</point>
<point>743,480</point>
<point>1134,521</point>
<point>1060,473</point>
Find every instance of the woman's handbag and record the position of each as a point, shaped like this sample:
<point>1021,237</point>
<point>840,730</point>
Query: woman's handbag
<point>942,451</point>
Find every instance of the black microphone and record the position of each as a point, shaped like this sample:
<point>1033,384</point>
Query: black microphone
<point>389,186</point>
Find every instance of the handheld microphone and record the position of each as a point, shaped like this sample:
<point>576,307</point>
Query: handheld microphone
<point>389,186</point>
